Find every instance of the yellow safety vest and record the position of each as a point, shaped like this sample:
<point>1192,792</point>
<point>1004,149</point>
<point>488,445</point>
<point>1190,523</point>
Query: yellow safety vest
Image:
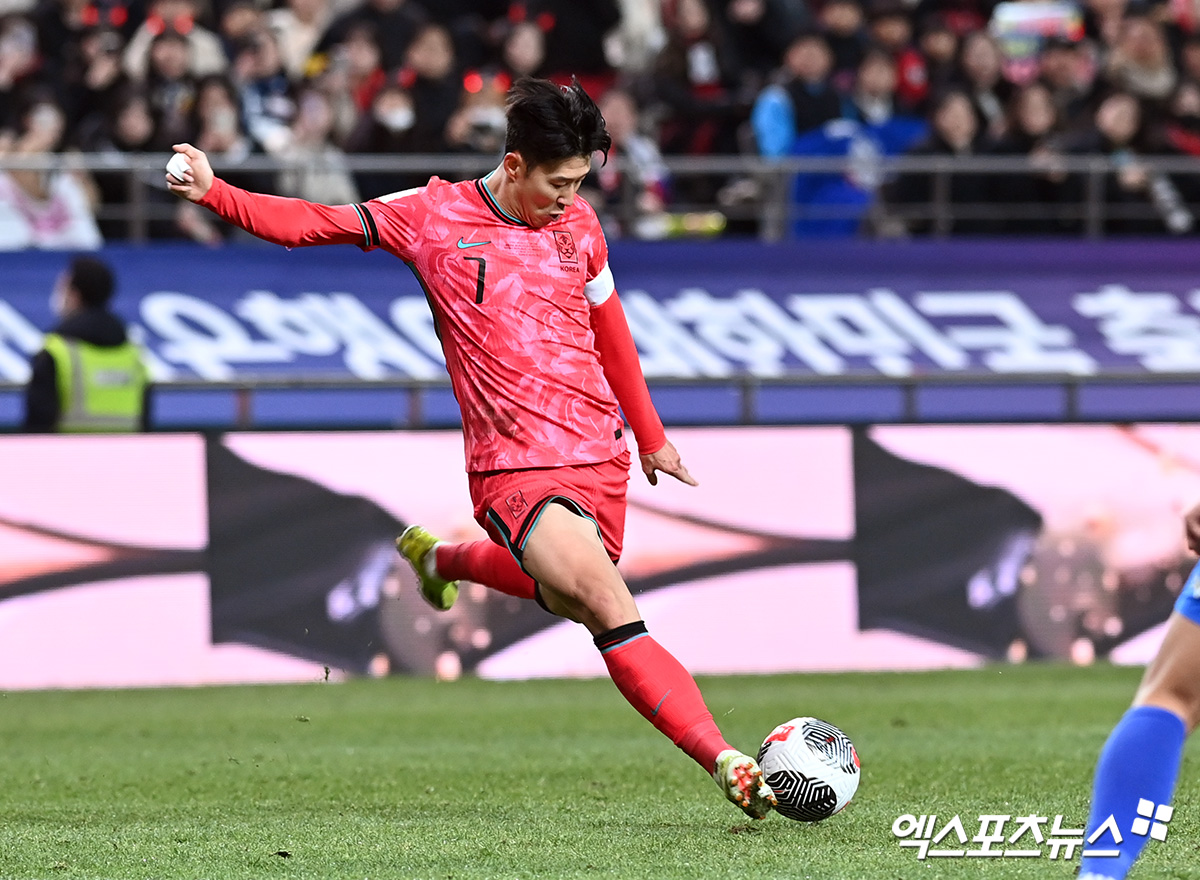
<point>100,388</point>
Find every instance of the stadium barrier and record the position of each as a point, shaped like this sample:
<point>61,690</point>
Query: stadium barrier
<point>190,559</point>
<point>772,199</point>
<point>730,332</point>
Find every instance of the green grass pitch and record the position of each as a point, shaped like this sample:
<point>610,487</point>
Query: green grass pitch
<point>403,778</point>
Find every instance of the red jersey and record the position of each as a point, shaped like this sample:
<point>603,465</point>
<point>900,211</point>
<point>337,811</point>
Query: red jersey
<point>512,304</point>
<point>512,307</point>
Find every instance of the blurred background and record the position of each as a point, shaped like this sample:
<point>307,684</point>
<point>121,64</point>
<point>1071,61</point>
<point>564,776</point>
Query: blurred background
<point>914,285</point>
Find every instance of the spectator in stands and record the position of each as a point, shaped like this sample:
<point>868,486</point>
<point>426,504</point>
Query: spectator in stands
<point>91,83</point>
<point>1068,75</point>
<point>298,27</point>
<point>1137,200</point>
<point>633,184</point>
<point>430,76</point>
<point>524,51</point>
<point>1181,128</point>
<point>1189,58</point>
<point>844,26</point>
<point>1103,21</point>
<point>88,377</point>
<point>240,19</point>
<point>388,128</point>
<point>393,22</point>
<point>268,107</point>
<point>981,74</point>
<point>478,125</point>
<point>1033,196</point>
<point>126,126</point>
<point>759,32</point>
<point>361,56</point>
<point>206,55</point>
<point>872,100</point>
<point>873,126</point>
<point>1181,136</point>
<point>45,209</point>
<point>1140,62</point>
<point>171,89</point>
<point>938,45</point>
<point>332,72</point>
<point>697,96</point>
<point>20,68</point>
<point>890,27</point>
<point>471,24</point>
<point>61,25</point>
<point>217,122</point>
<point>574,32</point>
<point>317,170</point>
<point>955,132</point>
<point>801,98</point>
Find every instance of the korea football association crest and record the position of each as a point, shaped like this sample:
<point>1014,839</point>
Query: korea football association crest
<point>566,247</point>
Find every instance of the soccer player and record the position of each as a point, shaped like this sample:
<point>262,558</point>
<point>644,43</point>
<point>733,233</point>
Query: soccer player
<point>515,268</point>
<point>1135,776</point>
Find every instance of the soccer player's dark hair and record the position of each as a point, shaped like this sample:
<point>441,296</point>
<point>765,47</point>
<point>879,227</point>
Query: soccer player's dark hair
<point>548,123</point>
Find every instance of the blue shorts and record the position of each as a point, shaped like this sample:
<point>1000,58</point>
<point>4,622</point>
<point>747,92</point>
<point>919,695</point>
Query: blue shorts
<point>1188,603</point>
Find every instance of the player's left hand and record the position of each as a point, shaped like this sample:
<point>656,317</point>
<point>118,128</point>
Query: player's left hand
<point>668,461</point>
<point>1191,525</point>
<point>198,180</point>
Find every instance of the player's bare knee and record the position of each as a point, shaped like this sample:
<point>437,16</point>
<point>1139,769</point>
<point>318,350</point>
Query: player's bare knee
<point>1180,697</point>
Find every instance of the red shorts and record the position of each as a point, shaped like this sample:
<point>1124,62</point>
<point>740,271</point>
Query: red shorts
<point>508,504</point>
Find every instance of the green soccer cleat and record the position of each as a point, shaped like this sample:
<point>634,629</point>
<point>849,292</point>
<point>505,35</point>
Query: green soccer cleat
<point>415,545</point>
<point>742,781</point>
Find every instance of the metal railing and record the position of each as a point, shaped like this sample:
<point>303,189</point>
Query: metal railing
<point>910,407</point>
<point>765,203</point>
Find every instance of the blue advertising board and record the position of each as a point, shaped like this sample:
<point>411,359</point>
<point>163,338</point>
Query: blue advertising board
<point>711,310</point>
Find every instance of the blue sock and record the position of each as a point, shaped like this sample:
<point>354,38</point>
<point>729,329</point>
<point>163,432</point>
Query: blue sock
<point>1140,760</point>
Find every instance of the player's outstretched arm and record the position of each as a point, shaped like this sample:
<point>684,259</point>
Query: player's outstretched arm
<point>623,370</point>
<point>289,222</point>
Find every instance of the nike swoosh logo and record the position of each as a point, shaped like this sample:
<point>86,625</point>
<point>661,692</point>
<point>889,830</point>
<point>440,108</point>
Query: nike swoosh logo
<point>469,244</point>
<point>660,702</point>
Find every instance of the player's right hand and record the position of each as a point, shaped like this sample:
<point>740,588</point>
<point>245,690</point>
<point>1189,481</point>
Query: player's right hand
<point>198,181</point>
<point>1191,525</point>
<point>668,461</point>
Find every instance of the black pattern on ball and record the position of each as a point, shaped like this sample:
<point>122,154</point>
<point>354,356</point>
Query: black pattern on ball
<point>801,797</point>
<point>833,746</point>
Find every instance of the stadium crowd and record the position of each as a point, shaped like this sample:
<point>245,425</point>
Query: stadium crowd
<point>314,81</point>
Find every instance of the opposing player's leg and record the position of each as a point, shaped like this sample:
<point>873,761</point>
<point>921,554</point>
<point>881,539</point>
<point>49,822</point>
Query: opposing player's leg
<point>439,566</point>
<point>578,580</point>
<point>1140,761</point>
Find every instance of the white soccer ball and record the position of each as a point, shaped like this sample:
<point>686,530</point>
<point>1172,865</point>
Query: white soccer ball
<point>178,165</point>
<point>811,766</point>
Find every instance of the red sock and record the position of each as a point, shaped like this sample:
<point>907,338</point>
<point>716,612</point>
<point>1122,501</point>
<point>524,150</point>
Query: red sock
<point>657,685</point>
<point>484,563</point>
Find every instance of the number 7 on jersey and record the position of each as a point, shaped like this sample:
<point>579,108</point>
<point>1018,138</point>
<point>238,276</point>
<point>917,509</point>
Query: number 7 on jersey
<point>479,281</point>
